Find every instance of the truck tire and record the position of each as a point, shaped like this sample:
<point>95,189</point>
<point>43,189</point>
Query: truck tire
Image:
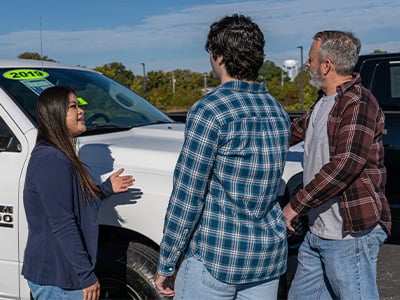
<point>126,270</point>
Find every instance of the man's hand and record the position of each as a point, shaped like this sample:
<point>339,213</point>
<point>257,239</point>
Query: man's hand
<point>92,292</point>
<point>163,285</point>
<point>121,183</point>
<point>289,215</point>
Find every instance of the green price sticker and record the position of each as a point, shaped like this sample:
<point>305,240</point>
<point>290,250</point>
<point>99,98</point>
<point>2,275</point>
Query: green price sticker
<point>25,74</point>
<point>81,101</point>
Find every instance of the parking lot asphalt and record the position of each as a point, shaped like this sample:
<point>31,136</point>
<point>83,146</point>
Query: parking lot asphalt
<point>388,277</point>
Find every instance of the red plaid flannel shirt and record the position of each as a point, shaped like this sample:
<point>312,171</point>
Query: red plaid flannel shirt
<point>356,171</point>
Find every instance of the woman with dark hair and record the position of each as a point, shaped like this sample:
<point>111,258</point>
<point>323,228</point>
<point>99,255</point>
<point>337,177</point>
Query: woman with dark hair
<point>60,204</point>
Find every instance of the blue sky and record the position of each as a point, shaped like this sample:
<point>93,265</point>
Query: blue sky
<point>170,34</point>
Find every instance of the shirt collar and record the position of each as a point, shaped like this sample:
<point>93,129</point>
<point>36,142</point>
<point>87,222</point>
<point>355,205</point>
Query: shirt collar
<point>244,86</point>
<point>344,87</point>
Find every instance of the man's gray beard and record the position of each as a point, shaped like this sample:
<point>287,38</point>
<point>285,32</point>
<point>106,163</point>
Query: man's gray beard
<point>315,80</point>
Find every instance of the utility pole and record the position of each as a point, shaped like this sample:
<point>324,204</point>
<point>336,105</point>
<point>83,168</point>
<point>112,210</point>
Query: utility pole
<point>144,80</point>
<point>41,42</point>
<point>301,78</point>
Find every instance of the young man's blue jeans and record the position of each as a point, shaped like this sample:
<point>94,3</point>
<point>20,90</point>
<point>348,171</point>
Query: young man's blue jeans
<point>193,282</point>
<point>47,292</point>
<point>338,269</point>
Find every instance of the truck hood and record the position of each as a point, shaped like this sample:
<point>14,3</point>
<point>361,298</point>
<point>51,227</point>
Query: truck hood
<point>150,149</point>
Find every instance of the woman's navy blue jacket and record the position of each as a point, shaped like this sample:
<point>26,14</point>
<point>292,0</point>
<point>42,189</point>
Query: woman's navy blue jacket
<point>63,230</point>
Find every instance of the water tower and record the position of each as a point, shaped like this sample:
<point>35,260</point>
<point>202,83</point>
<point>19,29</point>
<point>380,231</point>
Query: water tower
<point>291,67</point>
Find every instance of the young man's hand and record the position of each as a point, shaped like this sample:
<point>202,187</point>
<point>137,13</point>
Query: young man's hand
<point>164,285</point>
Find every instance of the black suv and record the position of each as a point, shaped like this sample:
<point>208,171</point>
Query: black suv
<point>380,73</point>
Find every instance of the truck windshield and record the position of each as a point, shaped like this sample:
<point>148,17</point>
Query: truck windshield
<point>108,105</point>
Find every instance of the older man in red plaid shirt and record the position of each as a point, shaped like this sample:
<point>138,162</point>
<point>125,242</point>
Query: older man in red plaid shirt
<point>344,178</point>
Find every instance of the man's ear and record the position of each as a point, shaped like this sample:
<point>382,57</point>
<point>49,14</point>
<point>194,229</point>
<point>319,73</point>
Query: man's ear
<point>220,60</point>
<point>326,66</point>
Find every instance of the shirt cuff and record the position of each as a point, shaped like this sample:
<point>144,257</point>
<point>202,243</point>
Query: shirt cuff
<point>297,205</point>
<point>87,280</point>
<point>165,269</point>
<point>106,188</point>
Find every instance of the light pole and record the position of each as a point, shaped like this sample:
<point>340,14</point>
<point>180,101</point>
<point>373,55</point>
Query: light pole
<point>144,80</point>
<point>301,78</point>
<point>173,82</point>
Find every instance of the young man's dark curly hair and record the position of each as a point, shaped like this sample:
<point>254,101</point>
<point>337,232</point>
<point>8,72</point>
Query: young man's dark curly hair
<point>240,42</point>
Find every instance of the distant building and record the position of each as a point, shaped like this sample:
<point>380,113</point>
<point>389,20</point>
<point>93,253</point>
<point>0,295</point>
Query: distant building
<point>291,67</point>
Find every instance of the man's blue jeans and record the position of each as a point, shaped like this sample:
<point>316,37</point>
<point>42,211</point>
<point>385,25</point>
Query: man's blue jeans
<point>338,269</point>
<point>193,282</point>
<point>47,292</point>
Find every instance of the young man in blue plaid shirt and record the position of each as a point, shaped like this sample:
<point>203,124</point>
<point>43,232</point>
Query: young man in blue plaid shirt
<point>223,218</point>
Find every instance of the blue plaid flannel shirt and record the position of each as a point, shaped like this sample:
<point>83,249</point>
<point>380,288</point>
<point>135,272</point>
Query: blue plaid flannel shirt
<point>223,208</point>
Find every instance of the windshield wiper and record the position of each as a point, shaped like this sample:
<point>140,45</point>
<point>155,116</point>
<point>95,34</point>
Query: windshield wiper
<point>103,128</point>
<point>159,122</point>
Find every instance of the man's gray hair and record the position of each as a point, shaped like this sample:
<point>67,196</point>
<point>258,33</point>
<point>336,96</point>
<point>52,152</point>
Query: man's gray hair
<point>341,48</point>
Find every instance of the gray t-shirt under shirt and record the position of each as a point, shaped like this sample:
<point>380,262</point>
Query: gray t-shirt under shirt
<point>325,220</point>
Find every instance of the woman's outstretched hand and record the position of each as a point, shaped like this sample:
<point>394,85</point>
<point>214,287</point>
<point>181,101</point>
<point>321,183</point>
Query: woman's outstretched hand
<point>121,183</point>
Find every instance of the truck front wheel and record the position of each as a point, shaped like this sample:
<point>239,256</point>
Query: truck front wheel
<point>126,270</point>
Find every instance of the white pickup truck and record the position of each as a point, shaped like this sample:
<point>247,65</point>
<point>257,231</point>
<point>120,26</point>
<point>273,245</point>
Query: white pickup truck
<point>123,130</point>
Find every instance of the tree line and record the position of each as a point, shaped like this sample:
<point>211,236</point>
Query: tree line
<point>177,90</point>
